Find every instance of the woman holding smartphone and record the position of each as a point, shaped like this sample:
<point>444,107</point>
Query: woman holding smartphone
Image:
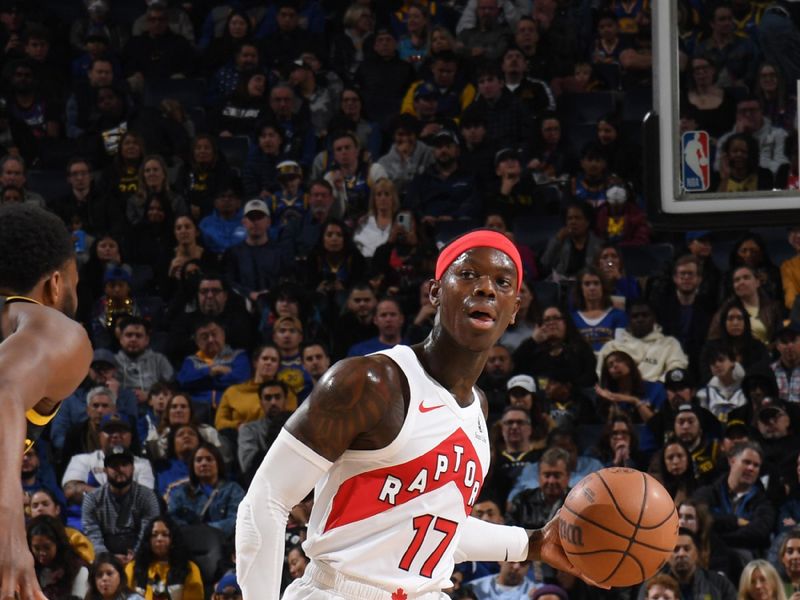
<point>398,265</point>
<point>379,221</point>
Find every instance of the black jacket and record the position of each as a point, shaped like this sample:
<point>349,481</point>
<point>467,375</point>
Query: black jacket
<point>755,507</point>
<point>383,84</point>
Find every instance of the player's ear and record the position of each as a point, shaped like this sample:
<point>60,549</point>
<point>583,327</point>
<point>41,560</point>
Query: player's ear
<point>516,310</point>
<point>53,288</point>
<point>434,292</point>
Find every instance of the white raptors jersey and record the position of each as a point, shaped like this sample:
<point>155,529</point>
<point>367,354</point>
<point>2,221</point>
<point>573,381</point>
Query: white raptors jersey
<point>391,517</point>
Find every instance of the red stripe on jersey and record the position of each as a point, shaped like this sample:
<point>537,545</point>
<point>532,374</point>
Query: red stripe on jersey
<point>360,497</point>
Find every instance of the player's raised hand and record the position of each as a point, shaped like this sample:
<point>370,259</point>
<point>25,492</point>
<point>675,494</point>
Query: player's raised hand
<point>545,545</point>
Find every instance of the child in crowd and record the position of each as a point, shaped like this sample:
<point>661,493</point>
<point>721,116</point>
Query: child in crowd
<point>591,182</point>
<point>723,392</point>
<point>608,45</point>
<point>290,201</point>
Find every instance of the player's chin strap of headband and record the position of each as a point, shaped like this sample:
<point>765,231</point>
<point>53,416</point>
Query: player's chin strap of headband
<point>481,238</point>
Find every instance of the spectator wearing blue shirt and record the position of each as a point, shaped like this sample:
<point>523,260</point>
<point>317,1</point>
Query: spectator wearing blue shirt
<point>299,141</point>
<point>38,474</point>
<point>223,228</point>
<point>578,467</point>
<point>215,367</point>
<point>444,191</point>
<point>253,267</point>
<point>226,79</point>
<point>207,497</point>
<point>173,470</point>
<point>595,318</point>
<point>509,584</point>
<point>389,321</point>
<point>622,389</point>
<point>287,335</point>
<point>102,372</point>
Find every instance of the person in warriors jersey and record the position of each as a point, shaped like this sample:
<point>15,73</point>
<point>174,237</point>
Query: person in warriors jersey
<point>44,356</point>
<point>397,446</point>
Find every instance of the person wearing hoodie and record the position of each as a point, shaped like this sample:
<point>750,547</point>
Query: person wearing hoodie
<point>260,173</point>
<point>407,156</point>
<point>620,220</point>
<point>653,352</point>
<point>223,228</point>
<point>760,389</point>
<point>723,392</point>
<point>139,365</point>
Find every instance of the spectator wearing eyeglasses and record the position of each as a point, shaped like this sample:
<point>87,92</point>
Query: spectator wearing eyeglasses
<point>750,120</point>
<point>212,299</point>
<point>158,53</point>
<point>532,508</point>
<point>554,341</point>
<point>522,441</point>
<point>683,312</point>
<point>215,366</point>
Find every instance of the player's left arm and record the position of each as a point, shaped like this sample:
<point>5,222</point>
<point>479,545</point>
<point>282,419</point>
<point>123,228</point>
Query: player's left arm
<point>545,545</point>
<point>483,541</point>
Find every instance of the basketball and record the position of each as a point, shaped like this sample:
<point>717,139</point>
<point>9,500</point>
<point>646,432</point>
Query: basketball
<point>618,526</point>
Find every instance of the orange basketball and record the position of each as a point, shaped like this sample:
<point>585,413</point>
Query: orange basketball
<point>618,526</point>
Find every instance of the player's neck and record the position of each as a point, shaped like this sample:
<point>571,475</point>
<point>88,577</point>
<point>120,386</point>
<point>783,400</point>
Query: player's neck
<point>36,294</point>
<point>453,366</point>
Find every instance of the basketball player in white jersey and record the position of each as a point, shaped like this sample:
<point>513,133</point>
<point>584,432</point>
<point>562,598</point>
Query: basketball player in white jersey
<point>44,356</point>
<point>397,446</point>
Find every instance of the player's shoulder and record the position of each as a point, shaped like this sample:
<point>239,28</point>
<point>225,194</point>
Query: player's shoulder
<point>363,373</point>
<point>484,400</point>
<point>36,325</point>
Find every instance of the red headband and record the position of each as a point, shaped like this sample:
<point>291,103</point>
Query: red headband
<point>482,238</point>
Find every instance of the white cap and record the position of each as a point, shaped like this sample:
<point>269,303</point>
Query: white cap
<point>526,382</point>
<point>256,205</point>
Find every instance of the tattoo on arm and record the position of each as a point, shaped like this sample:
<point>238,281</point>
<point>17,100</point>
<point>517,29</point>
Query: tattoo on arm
<point>349,401</point>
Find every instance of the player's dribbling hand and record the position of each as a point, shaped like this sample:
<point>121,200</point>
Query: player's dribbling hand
<point>17,574</point>
<point>545,545</point>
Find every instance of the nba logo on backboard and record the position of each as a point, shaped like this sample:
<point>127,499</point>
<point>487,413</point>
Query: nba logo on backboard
<point>696,169</point>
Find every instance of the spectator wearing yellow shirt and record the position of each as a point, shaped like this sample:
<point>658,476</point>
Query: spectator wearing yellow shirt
<point>240,402</point>
<point>43,502</point>
<point>790,273</point>
<point>161,565</point>
<point>453,93</point>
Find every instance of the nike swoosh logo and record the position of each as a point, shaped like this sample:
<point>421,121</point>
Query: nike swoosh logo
<point>424,409</point>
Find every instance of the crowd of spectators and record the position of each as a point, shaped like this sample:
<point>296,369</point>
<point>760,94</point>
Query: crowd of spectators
<point>259,189</point>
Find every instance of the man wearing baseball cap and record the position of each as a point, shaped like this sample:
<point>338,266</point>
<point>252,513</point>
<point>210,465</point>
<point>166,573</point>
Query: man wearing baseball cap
<point>453,93</point>
<point>115,514</point>
<point>704,451</point>
<point>680,387</point>
<point>256,264</point>
<point>444,191</point>
<point>514,192</point>
<point>228,588</point>
<point>778,438</point>
<point>522,391</point>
